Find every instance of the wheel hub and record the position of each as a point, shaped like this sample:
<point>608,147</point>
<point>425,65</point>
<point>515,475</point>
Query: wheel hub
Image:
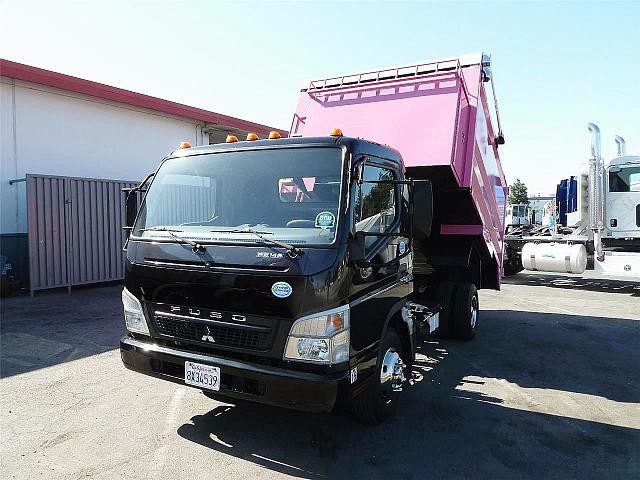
<point>392,371</point>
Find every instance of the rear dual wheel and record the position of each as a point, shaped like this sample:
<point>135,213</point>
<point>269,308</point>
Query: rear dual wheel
<point>465,311</point>
<point>512,267</point>
<point>459,310</point>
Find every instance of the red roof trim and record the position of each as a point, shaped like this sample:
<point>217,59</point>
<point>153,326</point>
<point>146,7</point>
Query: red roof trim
<point>40,76</point>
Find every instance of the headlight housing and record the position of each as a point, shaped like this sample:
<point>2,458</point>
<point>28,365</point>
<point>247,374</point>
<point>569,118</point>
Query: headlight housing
<point>133,313</point>
<point>320,338</point>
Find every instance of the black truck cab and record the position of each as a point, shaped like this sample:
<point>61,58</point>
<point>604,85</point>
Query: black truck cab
<point>276,271</point>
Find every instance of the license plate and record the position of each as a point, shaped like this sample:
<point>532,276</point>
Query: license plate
<point>203,376</point>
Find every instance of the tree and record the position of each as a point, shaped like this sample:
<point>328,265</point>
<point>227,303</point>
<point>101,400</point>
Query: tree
<point>377,199</point>
<point>518,193</point>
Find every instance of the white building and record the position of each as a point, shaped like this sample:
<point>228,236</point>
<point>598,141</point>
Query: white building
<point>537,204</point>
<point>60,125</point>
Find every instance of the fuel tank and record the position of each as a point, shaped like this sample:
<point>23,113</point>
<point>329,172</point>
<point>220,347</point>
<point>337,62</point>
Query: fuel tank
<point>554,257</point>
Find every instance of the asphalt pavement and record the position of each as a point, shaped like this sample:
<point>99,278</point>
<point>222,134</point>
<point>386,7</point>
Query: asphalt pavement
<point>548,389</point>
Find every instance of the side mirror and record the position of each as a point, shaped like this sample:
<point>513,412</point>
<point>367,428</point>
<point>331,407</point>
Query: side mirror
<point>130,208</point>
<point>356,247</point>
<point>421,209</point>
<point>131,203</point>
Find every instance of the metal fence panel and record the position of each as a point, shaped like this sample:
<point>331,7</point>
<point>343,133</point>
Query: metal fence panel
<point>46,208</point>
<point>183,203</point>
<point>75,230</point>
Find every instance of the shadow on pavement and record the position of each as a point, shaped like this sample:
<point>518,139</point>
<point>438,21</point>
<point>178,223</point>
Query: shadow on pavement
<point>57,327</point>
<point>459,419</point>
<point>576,282</point>
<point>446,428</point>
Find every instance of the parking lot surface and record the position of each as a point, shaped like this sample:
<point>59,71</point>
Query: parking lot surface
<point>548,389</point>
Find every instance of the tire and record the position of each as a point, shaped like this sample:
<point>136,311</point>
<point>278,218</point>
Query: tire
<point>512,267</point>
<point>444,297</point>
<point>378,400</point>
<point>465,311</point>
<point>512,262</point>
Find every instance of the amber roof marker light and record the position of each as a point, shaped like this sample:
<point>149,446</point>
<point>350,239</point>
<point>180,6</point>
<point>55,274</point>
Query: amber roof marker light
<point>184,145</point>
<point>252,136</point>
<point>336,132</point>
<point>231,139</point>
<point>273,135</point>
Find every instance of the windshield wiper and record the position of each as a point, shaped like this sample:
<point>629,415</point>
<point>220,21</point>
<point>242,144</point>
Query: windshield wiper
<point>195,246</point>
<point>292,251</point>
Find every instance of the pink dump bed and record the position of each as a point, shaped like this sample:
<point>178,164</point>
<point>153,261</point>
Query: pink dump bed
<point>433,114</point>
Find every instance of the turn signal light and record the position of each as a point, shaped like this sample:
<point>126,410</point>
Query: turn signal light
<point>185,145</point>
<point>336,322</point>
<point>231,139</point>
<point>336,132</point>
<point>273,135</point>
<point>252,136</point>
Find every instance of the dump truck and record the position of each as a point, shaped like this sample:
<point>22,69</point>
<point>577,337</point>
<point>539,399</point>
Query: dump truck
<point>302,272</point>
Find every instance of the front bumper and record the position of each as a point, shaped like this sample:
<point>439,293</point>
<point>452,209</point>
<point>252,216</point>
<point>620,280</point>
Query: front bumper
<point>240,380</point>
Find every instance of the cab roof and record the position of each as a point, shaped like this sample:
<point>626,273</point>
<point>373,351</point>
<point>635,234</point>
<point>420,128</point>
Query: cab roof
<point>353,144</point>
<point>624,159</point>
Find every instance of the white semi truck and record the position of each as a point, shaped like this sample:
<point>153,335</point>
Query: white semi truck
<point>517,214</point>
<point>603,234</point>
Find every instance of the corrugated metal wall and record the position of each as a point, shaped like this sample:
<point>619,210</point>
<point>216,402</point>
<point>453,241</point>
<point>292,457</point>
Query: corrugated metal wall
<point>183,204</point>
<point>75,230</point>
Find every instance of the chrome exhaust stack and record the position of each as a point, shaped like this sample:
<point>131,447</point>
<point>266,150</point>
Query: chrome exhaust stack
<point>596,222</point>
<point>622,145</point>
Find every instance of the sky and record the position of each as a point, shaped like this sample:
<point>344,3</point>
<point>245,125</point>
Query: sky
<point>556,65</point>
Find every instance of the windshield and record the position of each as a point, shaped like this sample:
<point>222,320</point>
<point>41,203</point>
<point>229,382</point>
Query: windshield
<point>626,179</point>
<point>285,194</point>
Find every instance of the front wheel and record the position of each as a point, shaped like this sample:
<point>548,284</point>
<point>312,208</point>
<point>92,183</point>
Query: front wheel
<point>379,399</point>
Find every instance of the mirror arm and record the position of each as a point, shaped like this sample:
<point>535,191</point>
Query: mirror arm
<point>358,171</point>
<point>139,187</point>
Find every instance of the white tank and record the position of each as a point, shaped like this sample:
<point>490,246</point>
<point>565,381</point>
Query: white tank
<point>554,257</point>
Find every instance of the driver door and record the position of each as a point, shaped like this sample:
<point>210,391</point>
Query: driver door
<point>375,210</point>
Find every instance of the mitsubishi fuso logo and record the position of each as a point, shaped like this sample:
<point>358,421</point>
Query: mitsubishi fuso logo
<point>207,336</point>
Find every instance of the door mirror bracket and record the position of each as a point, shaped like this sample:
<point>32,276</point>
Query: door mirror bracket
<point>357,248</point>
<point>131,203</point>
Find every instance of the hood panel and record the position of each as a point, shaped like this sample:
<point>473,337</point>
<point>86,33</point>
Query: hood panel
<point>240,279</point>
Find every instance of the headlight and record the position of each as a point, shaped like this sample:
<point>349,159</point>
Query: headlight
<point>322,337</point>
<point>133,314</point>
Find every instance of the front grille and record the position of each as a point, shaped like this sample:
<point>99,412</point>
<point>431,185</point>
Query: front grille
<point>227,336</point>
